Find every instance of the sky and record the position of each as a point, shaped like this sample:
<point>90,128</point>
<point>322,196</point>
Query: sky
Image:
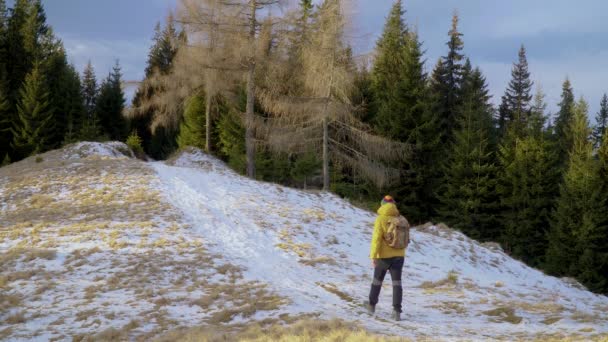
<point>562,38</point>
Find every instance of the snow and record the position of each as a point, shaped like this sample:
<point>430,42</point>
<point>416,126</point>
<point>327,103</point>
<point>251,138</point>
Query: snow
<point>310,248</point>
<point>113,149</point>
<point>246,221</point>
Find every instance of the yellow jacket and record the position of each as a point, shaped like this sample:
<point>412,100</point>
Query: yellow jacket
<point>379,249</point>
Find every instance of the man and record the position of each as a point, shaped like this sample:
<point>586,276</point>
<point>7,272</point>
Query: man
<point>387,254</point>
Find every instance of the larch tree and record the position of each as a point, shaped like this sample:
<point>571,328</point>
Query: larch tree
<point>222,50</point>
<point>321,117</point>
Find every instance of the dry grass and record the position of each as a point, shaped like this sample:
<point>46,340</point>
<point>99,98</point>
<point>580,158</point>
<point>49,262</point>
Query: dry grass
<point>16,318</point>
<point>450,280</point>
<point>320,260</point>
<point>550,320</point>
<point>333,289</point>
<point>583,317</point>
<point>503,314</point>
<point>541,307</point>
<point>450,307</point>
<point>305,330</point>
<point>9,301</point>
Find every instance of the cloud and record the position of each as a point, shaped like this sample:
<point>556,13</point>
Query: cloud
<point>131,54</point>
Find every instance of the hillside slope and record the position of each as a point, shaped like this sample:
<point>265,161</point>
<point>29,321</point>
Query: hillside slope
<point>91,239</point>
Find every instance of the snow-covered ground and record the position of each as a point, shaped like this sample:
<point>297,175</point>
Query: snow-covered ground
<point>208,246</point>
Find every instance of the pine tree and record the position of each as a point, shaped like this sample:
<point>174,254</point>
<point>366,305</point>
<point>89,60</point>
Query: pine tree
<point>601,122</point>
<point>34,128</point>
<point>192,129</point>
<point>446,82</point>
<point>518,95</point>
<point>90,128</point>
<point>110,106</point>
<point>574,212</point>
<point>563,123</point>
<point>468,200</point>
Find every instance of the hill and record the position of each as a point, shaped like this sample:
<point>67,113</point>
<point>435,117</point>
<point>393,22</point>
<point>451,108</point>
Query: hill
<point>96,243</point>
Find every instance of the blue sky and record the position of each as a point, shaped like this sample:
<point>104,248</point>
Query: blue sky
<point>563,38</point>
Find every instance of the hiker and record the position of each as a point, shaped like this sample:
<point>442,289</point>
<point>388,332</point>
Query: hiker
<point>389,241</point>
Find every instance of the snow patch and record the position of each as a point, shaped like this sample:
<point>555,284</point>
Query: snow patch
<point>112,149</point>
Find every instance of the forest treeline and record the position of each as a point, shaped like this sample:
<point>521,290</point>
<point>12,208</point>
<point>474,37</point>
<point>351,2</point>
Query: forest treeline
<point>280,95</point>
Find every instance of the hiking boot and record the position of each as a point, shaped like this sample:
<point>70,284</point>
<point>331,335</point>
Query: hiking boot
<point>396,315</point>
<point>371,309</point>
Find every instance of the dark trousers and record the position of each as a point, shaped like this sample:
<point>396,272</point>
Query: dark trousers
<point>395,266</point>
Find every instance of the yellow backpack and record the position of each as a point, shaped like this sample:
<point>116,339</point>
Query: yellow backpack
<point>397,234</point>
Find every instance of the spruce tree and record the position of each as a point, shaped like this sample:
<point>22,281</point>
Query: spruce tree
<point>90,128</point>
<point>563,124</point>
<point>446,82</point>
<point>26,31</point>
<point>504,116</point>
<point>73,106</point>
<point>601,122</point>
<point>6,121</point>
<point>468,200</point>
<point>162,141</point>
<point>518,95</point>
<point>18,60</point>
<point>389,74</point>
<point>34,129</point>
<point>537,120</point>
<point>192,128</point>
<point>574,213</point>
<point>593,243</point>
<point>526,187</point>
<point>110,106</point>
<point>4,19</point>
<point>58,77</point>
<point>400,107</point>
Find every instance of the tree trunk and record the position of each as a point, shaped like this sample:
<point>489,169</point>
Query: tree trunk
<point>325,155</point>
<point>208,123</point>
<point>249,145</point>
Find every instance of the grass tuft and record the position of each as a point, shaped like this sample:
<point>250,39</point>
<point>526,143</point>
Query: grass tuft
<point>504,314</point>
